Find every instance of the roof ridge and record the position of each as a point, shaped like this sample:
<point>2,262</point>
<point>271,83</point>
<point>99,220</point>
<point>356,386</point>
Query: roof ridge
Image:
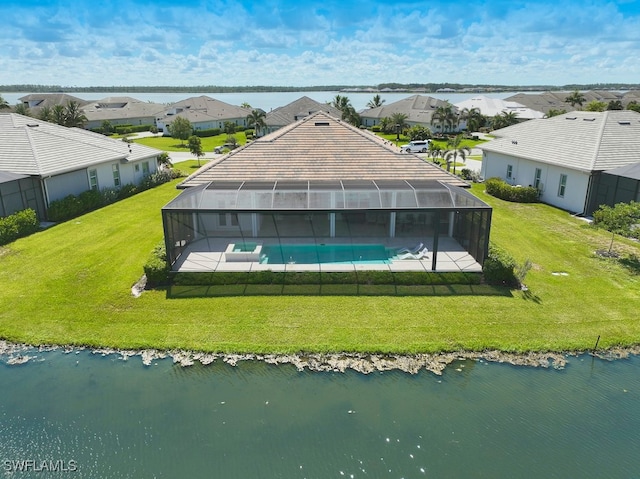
<point>596,151</point>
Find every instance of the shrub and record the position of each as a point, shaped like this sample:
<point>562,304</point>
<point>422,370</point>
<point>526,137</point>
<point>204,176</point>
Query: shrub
<point>376,129</point>
<point>156,268</point>
<point>500,268</point>
<point>518,194</point>
<point>19,224</point>
<point>470,175</point>
<point>126,129</point>
<point>207,133</point>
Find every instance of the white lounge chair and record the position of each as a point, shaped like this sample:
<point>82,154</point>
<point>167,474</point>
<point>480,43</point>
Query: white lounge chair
<point>422,254</point>
<point>415,250</point>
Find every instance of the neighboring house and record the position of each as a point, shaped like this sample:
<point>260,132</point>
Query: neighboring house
<point>42,162</point>
<point>491,107</point>
<point>36,101</point>
<point>121,111</point>
<point>204,113</point>
<point>297,110</point>
<point>318,182</point>
<point>565,156</point>
<point>556,100</point>
<point>419,110</point>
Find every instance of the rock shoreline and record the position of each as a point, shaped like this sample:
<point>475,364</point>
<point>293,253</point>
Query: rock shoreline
<point>16,354</point>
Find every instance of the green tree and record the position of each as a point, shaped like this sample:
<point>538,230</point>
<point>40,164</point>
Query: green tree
<point>349,113</point>
<point>595,105</point>
<point>58,115</point>
<point>107,127</point>
<point>504,119</point>
<point>164,160</point>
<point>634,106</point>
<point>622,219</point>
<point>229,127</point>
<point>474,119</point>
<point>445,117</point>
<point>3,104</point>
<point>435,151</point>
<point>73,115</point>
<point>46,113</point>
<point>615,105</point>
<point>22,109</point>
<point>256,120</point>
<point>398,122</point>
<point>180,128</point>
<point>553,112</point>
<point>245,105</point>
<point>385,125</point>
<point>575,98</point>
<point>195,147</point>
<point>375,102</point>
<point>419,132</point>
<point>456,150</point>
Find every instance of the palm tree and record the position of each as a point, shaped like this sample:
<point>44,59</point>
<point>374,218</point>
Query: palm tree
<point>342,103</point>
<point>553,112</point>
<point>576,98</point>
<point>435,151</point>
<point>3,103</point>
<point>22,109</point>
<point>445,117</point>
<point>399,123</point>
<point>456,151</point>
<point>74,117</point>
<point>474,118</point>
<point>375,102</point>
<point>504,119</point>
<point>45,113</point>
<point>58,114</point>
<point>256,119</point>
<point>245,105</point>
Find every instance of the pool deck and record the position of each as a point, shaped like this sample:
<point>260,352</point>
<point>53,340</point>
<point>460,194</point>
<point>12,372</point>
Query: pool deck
<point>207,255</point>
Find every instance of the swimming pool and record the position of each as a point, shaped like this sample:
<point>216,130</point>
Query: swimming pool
<point>326,253</point>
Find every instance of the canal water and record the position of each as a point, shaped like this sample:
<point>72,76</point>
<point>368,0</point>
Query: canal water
<point>91,416</point>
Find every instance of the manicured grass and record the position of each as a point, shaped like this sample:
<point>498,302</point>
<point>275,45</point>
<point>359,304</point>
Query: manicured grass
<point>166,143</point>
<point>71,284</point>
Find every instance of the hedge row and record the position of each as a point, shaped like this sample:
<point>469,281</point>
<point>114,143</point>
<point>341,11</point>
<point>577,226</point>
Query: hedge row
<point>156,268</point>
<point>207,133</point>
<point>17,225</point>
<point>75,205</point>
<point>518,194</point>
<point>126,129</point>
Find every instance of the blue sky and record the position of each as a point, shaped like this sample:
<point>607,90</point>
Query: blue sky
<point>305,43</point>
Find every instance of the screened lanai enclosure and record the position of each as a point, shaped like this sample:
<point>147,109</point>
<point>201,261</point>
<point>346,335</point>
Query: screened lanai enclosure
<point>258,225</point>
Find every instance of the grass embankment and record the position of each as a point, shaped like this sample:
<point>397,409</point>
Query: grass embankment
<point>71,284</point>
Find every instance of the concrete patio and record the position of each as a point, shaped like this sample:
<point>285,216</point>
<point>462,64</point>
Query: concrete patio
<point>207,255</point>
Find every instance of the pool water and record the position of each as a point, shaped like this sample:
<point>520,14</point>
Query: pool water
<point>326,253</point>
<point>244,247</point>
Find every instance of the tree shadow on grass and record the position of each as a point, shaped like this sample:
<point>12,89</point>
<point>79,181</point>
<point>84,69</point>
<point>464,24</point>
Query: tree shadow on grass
<point>528,295</point>
<point>631,263</point>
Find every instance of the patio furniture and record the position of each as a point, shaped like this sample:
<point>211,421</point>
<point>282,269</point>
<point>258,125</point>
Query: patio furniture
<point>415,250</point>
<point>422,254</point>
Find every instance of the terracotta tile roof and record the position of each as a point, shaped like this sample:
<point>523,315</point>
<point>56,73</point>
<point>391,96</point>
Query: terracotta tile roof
<point>320,147</point>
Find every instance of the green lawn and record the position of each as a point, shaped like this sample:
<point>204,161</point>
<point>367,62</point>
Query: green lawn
<point>71,284</point>
<point>167,143</point>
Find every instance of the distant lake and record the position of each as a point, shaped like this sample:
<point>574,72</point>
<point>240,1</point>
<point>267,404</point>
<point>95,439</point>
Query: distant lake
<point>269,101</point>
<point>119,419</point>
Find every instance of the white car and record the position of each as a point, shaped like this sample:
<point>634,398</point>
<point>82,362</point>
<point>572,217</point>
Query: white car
<point>416,146</point>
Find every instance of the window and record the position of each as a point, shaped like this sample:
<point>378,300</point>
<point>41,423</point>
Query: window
<point>509,172</point>
<point>137,168</point>
<point>145,168</point>
<point>227,219</point>
<point>562,186</point>
<point>116,175</point>
<point>93,179</point>
<point>536,180</point>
